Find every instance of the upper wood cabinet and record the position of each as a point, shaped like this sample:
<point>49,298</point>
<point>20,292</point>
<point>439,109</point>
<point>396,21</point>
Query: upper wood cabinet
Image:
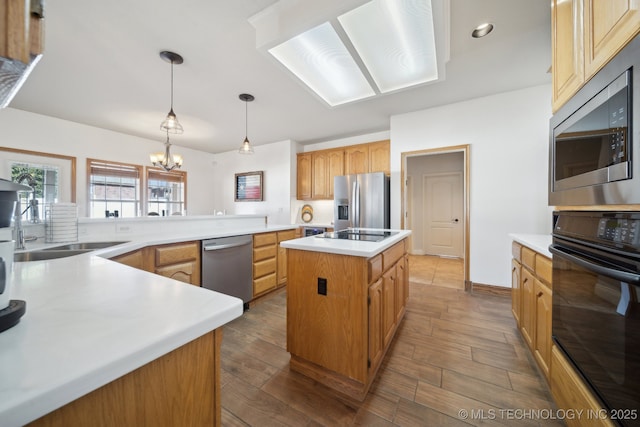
<point>303,181</point>
<point>316,169</point>
<point>567,54</point>
<point>586,34</point>
<point>22,32</point>
<point>325,165</point>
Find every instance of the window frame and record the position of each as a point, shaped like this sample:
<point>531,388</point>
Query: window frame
<point>141,184</point>
<point>175,172</point>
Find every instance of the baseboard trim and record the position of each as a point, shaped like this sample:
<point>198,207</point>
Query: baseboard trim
<point>501,291</point>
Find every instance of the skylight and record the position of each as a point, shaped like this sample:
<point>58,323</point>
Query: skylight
<point>394,40</point>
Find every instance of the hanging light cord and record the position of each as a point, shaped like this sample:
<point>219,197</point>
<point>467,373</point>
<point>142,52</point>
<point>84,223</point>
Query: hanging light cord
<point>246,120</point>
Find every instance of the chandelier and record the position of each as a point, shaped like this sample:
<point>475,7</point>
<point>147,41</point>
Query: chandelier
<point>170,124</point>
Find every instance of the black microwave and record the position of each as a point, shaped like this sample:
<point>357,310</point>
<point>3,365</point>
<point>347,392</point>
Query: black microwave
<point>594,144</point>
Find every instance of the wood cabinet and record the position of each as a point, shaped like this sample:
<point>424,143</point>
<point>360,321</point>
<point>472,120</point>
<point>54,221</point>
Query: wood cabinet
<point>22,32</point>
<point>282,255</point>
<point>570,393</point>
<point>179,388</point>
<point>316,169</point>
<point>586,34</point>
<point>179,261</point>
<point>304,177</point>
<point>325,165</point>
<point>342,314</point>
<point>532,300</point>
<point>265,252</point>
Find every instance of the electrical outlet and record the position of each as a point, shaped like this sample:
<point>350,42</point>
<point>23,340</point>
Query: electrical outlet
<point>121,228</point>
<point>322,286</point>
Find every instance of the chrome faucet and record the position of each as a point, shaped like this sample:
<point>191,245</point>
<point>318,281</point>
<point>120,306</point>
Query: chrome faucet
<point>18,227</point>
<point>19,231</point>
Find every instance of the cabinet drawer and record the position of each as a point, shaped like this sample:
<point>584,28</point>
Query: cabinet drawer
<point>167,255</point>
<point>528,258</point>
<point>375,268</point>
<point>286,235</point>
<point>544,268</point>
<point>392,255</point>
<point>264,252</point>
<point>262,268</point>
<point>515,250</point>
<point>132,259</point>
<point>264,239</point>
<point>264,284</point>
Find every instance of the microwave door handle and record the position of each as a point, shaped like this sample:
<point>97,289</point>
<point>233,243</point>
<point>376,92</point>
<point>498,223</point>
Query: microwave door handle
<point>623,276</point>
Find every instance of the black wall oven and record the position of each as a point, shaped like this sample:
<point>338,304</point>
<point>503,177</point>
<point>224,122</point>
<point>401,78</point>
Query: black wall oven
<point>596,309</point>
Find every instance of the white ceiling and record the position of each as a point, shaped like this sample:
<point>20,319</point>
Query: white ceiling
<point>101,67</point>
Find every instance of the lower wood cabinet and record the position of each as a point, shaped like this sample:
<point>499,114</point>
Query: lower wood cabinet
<point>178,389</point>
<point>179,261</point>
<point>342,314</point>
<point>265,264</point>
<point>282,255</point>
<point>531,301</point>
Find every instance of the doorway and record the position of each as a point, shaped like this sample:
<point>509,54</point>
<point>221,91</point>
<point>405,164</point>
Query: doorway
<point>435,206</point>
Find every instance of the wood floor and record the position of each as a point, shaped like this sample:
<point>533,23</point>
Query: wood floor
<point>453,352</point>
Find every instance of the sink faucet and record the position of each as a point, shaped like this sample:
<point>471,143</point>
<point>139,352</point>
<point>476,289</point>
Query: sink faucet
<point>20,240</point>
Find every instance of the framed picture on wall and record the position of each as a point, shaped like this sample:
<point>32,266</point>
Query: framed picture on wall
<point>249,187</point>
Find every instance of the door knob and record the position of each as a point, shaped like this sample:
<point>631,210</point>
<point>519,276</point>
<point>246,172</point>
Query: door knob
<point>455,220</point>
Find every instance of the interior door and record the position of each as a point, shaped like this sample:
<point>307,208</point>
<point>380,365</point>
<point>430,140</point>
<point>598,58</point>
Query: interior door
<point>443,233</point>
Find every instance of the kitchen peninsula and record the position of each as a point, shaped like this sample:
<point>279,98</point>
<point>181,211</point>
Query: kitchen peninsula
<point>345,300</point>
<point>102,342</point>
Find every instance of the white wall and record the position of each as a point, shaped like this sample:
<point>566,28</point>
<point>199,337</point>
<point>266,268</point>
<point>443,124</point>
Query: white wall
<point>277,161</point>
<point>508,137</point>
<point>29,131</point>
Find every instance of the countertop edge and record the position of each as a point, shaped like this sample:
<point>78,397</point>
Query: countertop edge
<point>537,242</point>
<point>344,247</point>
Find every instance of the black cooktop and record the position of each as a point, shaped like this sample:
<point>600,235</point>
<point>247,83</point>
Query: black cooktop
<point>361,235</point>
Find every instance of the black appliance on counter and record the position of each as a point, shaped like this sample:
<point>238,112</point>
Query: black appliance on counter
<point>312,231</point>
<point>596,303</point>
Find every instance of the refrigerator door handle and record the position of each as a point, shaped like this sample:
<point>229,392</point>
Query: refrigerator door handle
<point>355,200</point>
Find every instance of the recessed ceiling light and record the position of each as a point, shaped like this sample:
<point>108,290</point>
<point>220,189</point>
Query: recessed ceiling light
<point>395,40</point>
<point>482,30</point>
<point>320,59</point>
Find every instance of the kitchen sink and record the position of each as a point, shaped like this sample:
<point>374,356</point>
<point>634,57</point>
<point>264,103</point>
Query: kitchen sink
<point>83,246</point>
<point>43,255</point>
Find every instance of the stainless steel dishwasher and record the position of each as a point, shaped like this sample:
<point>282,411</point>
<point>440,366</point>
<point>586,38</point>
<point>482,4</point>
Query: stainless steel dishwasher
<point>226,266</point>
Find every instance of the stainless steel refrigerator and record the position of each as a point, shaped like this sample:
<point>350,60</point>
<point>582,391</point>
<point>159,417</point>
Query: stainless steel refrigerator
<point>361,201</point>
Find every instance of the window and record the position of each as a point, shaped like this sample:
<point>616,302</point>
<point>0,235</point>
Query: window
<point>114,189</point>
<point>166,192</point>
<point>44,181</point>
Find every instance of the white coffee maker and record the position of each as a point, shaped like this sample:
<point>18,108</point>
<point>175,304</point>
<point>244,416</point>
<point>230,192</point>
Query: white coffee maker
<point>10,310</point>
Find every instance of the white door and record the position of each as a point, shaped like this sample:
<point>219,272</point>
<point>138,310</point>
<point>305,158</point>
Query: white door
<point>443,233</point>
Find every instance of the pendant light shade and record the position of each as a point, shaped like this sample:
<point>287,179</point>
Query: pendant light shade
<point>246,148</point>
<point>171,123</point>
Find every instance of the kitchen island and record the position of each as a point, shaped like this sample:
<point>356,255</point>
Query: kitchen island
<point>345,300</point>
<point>102,343</point>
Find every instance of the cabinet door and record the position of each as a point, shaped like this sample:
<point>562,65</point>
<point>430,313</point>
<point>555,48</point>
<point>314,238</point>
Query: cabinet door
<point>400,289</point>
<point>187,272</point>
<point>528,307</point>
<point>22,32</point>
<point>609,26</point>
<point>376,338</point>
<point>282,255</point>
<point>303,181</point>
<point>567,50</point>
<point>388,304</point>
<point>516,291</point>
<point>379,157</point>
<point>542,341</point>
<point>356,159</point>
<point>336,168</point>
<point>133,259</point>
<point>320,175</point>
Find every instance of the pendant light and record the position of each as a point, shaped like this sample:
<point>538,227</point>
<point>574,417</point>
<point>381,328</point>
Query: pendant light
<point>166,160</point>
<point>171,123</point>
<point>246,148</point>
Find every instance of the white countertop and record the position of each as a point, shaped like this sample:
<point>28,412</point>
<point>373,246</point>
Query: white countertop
<point>90,320</point>
<point>345,247</point>
<point>537,242</point>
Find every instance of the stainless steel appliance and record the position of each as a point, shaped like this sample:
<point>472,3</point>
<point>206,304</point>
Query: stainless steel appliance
<point>594,145</point>
<point>226,266</point>
<point>312,231</point>
<point>361,201</point>
<point>596,304</point>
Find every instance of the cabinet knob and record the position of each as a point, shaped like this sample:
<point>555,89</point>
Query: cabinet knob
<point>540,294</point>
